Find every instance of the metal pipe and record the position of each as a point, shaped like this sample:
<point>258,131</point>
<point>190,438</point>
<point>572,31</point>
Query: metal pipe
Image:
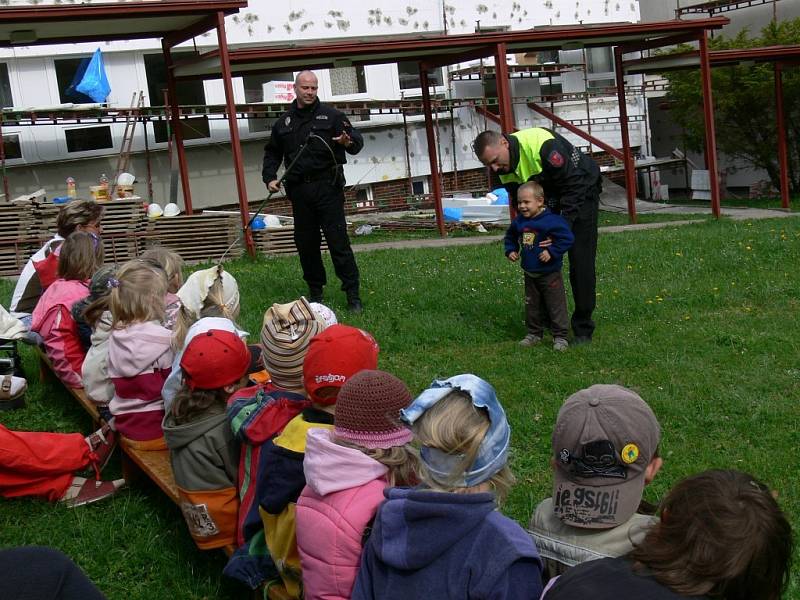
<point>174,116</point>
<point>783,158</point>
<point>233,124</point>
<point>708,113</point>
<point>436,183</point>
<point>627,156</point>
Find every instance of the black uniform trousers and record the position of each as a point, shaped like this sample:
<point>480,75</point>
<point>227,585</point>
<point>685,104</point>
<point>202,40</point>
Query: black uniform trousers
<point>582,258</point>
<point>320,205</point>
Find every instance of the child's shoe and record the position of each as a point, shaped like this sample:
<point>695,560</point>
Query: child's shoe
<point>530,340</point>
<point>85,491</point>
<point>560,344</point>
<point>101,443</point>
<point>12,392</point>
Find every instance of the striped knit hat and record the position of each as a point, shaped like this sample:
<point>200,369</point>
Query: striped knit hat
<point>368,410</point>
<point>285,335</point>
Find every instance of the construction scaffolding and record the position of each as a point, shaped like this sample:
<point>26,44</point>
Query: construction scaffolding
<point>719,6</point>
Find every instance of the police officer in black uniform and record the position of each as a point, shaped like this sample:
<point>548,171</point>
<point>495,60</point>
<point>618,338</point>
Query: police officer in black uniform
<point>315,184</point>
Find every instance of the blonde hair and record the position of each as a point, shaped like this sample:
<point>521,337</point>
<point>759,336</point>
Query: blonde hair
<point>533,187</point>
<point>80,256</point>
<point>455,426</point>
<point>402,461</point>
<point>170,261</point>
<point>213,306</point>
<point>137,294</point>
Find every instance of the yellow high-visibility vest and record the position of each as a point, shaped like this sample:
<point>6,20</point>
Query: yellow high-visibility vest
<point>530,161</point>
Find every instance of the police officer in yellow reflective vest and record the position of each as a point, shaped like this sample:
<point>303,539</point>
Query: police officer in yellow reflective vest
<point>571,182</point>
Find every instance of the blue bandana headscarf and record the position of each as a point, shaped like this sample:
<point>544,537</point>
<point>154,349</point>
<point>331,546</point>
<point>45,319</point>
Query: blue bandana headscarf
<point>493,452</point>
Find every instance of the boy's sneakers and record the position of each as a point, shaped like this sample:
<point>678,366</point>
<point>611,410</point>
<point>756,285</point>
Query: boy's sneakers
<point>101,444</point>
<point>560,344</point>
<point>530,340</point>
<point>85,491</point>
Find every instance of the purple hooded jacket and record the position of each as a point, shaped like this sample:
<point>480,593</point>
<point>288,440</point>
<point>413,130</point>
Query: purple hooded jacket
<point>427,544</point>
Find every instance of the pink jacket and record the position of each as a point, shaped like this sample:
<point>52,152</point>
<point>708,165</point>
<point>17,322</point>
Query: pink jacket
<point>52,319</point>
<point>139,361</point>
<point>343,491</point>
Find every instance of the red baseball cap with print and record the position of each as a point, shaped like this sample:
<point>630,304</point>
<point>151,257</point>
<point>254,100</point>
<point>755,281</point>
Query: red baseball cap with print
<point>333,357</point>
<point>604,439</point>
<point>214,359</point>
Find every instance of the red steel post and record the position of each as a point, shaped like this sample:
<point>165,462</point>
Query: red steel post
<point>783,159</point>
<point>175,117</point>
<point>708,113</point>
<point>504,101</point>
<point>435,181</point>
<point>233,124</point>
<point>627,158</point>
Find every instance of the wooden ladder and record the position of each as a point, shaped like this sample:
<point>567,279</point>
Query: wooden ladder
<point>124,158</point>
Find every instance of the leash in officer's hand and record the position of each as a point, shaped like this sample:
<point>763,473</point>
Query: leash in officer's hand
<point>278,185</point>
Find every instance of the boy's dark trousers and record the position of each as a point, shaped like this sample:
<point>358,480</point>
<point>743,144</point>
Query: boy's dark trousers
<point>545,295</point>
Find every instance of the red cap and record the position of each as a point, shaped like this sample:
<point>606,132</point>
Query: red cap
<point>334,356</point>
<point>214,359</point>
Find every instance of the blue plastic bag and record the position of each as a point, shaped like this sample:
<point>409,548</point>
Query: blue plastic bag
<point>452,214</point>
<point>94,83</point>
<point>502,196</point>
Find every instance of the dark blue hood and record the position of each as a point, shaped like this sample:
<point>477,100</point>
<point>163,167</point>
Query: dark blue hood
<point>416,526</point>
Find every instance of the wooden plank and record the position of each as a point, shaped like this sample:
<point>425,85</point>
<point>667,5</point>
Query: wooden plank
<point>157,466</point>
<point>78,393</point>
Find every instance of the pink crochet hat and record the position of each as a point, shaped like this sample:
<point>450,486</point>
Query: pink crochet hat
<point>368,410</point>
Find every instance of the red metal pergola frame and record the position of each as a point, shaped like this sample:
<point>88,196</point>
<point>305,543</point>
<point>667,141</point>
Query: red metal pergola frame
<point>142,20</point>
<point>779,56</point>
<point>429,51</point>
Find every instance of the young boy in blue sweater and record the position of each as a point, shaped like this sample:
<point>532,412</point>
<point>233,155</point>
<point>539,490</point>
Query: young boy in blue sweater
<point>540,238</point>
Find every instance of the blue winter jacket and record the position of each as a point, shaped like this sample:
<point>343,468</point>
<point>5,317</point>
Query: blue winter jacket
<point>524,236</point>
<point>428,544</point>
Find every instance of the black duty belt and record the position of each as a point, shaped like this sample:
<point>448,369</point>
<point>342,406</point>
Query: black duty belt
<point>322,175</point>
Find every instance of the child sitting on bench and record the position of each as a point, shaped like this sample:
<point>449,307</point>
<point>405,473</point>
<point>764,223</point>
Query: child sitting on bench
<point>139,353</point>
<point>81,255</point>
<point>203,451</point>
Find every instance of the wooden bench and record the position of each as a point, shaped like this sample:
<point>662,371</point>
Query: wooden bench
<point>153,463</point>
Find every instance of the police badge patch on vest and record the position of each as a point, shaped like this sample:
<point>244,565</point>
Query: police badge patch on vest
<point>556,159</point>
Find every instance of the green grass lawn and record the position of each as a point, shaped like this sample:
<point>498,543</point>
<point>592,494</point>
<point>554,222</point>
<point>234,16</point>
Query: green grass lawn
<point>605,218</point>
<point>701,320</point>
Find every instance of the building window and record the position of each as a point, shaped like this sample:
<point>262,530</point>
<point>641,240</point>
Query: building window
<point>547,56</point>
<point>364,197</point>
<point>408,71</point>
<point>192,128</point>
<point>419,186</point>
<point>6,99</point>
<point>88,138</point>
<point>551,89</point>
<point>600,68</point>
<point>11,147</point>
<point>67,77</point>
<point>348,80</point>
<point>254,85</point>
<point>599,60</point>
<point>190,93</point>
